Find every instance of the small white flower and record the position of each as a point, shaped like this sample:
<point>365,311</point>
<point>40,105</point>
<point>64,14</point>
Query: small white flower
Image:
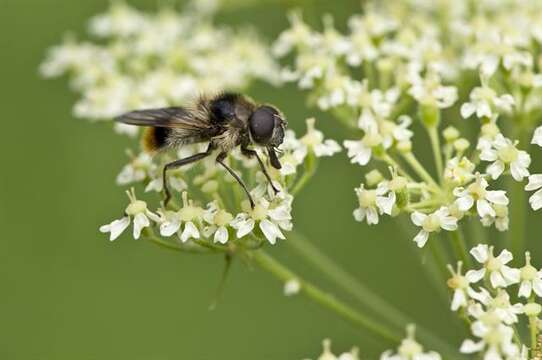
<point>293,153</point>
<point>137,212</point>
<point>314,141</point>
<point>459,170</point>
<point>410,349</point>
<point>218,220</point>
<point>531,279</point>
<point>477,193</point>
<point>537,136</point>
<point>429,91</point>
<point>360,152</point>
<point>504,153</point>
<point>460,286</point>
<point>485,103</point>
<point>440,219</point>
<point>269,217</point>
<point>499,273</point>
<point>535,184</point>
<point>496,342</point>
<point>368,200</point>
<point>292,287</point>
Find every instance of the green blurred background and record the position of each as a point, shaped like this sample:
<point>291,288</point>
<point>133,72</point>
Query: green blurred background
<point>69,293</point>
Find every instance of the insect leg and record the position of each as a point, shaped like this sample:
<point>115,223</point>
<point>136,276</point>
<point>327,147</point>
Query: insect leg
<point>220,159</point>
<point>178,163</point>
<point>250,153</point>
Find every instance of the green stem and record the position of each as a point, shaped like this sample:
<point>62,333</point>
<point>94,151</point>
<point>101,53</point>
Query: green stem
<point>518,202</point>
<point>362,293</point>
<point>268,263</point>
<point>437,152</point>
<point>419,169</point>
<point>151,236</point>
<point>533,329</point>
<point>307,174</point>
<point>460,247</point>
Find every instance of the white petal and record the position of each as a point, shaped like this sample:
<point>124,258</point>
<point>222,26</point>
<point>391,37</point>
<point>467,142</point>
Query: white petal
<point>497,279</point>
<point>497,197</point>
<point>459,299</point>
<point>467,109</point>
<point>511,276</point>
<point>169,228</point>
<point>536,200</point>
<point>525,289</point>
<point>359,214</point>
<point>465,203</point>
<point>271,231</point>
<point>535,182</point>
<point>190,231</point>
<point>505,256</point>
<point>473,276</point>
<point>537,136</point>
<point>480,253</point>
<point>495,169</point>
<point>221,235</point>
<point>469,346</point>
<point>140,221</point>
<point>418,218</point>
<point>116,228</point>
<point>484,208</point>
<point>537,287</point>
<point>372,216</point>
<point>421,238</point>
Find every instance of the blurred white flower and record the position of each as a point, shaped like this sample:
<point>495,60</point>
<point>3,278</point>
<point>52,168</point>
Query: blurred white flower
<point>485,103</point>
<point>292,287</point>
<point>535,184</point>
<point>219,220</point>
<point>410,349</point>
<point>314,141</point>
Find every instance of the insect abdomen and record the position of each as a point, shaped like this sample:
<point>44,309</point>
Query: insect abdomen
<point>155,138</point>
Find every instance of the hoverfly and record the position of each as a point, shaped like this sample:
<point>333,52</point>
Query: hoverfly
<point>224,121</point>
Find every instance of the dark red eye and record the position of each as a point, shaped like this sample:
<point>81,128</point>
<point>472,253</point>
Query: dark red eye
<point>262,124</point>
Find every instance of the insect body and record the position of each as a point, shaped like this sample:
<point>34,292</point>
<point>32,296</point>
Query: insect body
<point>224,121</point>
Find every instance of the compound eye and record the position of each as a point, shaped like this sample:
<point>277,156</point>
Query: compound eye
<point>262,124</point>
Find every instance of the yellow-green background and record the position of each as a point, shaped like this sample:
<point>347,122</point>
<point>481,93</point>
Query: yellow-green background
<point>66,292</point>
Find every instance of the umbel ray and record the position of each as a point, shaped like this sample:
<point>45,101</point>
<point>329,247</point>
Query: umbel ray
<point>224,121</point>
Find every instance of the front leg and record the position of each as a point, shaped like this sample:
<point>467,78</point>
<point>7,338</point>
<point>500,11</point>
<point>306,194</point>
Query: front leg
<point>220,159</point>
<point>251,153</point>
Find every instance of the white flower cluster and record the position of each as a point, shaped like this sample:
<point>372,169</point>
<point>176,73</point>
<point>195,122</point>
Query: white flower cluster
<point>216,216</point>
<point>142,60</point>
<point>409,349</point>
<point>328,355</point>
<point>397,65</point>
<point>491,316</point>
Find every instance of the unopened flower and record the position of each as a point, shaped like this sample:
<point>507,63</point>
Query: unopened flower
<point>440,219</point>
<point>500,275</point>
<point>292,287</point>
<point>137,212</point>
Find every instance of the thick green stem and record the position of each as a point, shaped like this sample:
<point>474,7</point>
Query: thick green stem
<point>266,262</point>
<point>533,330</point>
<point>362,293</point>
